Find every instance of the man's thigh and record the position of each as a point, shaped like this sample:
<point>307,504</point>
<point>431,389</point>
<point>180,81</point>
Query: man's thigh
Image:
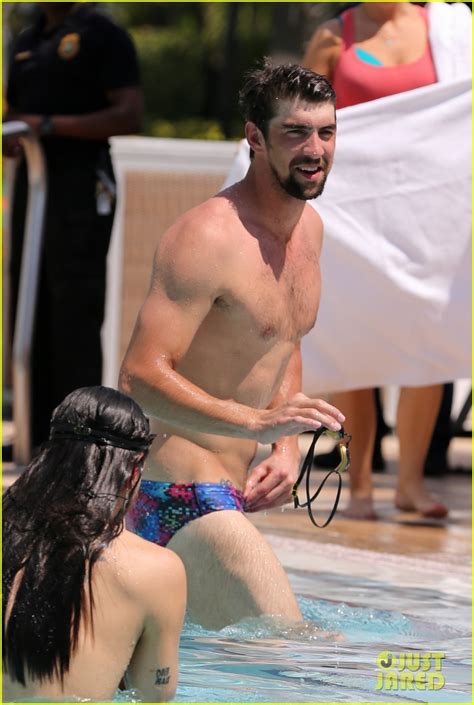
<point>232,572</point>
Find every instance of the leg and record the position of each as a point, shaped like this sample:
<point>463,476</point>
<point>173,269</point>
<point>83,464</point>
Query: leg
<point>437,457</point>
<point>232,571</point>
<point>381,430</point>
<point>331,458</point>
<point>417,411</point>
<point>358,407</point>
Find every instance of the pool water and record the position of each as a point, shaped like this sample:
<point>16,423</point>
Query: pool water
<point>260,661</point>
<point>373,602</point>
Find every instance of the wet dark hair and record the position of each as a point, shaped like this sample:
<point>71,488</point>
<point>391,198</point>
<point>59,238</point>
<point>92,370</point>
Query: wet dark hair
<point>264,86</point>
<point>58,518</point>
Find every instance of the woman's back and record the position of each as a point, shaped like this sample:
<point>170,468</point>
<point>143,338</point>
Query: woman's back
<point>137,588</point>
<point>84,599</point>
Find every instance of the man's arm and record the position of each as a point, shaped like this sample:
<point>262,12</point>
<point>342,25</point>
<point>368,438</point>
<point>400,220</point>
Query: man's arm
<point>269,484</point>
<point>153,669</point>
<point>291,385</point>
<point>185,286</point>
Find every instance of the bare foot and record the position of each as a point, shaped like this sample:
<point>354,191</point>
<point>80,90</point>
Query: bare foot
<point>421,502</point>
<point>360,509</point>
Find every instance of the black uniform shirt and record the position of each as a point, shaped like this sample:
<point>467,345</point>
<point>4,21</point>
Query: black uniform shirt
<point>69,69</point>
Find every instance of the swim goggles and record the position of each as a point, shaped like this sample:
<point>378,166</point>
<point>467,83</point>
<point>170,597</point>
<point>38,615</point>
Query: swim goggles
<point>305,472</point>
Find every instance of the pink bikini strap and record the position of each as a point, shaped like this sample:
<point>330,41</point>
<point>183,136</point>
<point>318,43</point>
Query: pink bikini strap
<point>347,19</point>
<point>423,12</point>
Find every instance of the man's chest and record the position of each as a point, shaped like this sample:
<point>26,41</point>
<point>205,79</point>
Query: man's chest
<point>275,301</point>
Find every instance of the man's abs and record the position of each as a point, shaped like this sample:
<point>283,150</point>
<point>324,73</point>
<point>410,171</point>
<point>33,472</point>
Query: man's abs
<point>180,455</point>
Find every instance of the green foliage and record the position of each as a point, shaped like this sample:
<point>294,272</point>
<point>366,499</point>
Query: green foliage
<point>189,128</point>
<point>184,15</point>
<point>193,55</point>
<point>182,56</point>
<point>171,65</point>
<point>190,79</point>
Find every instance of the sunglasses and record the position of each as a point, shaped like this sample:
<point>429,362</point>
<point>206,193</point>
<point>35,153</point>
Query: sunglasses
<point>343,440</point>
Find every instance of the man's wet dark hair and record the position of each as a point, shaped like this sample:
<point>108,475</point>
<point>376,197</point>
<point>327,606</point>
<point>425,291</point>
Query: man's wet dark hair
<point>265,86</point>
<point>58,518</point>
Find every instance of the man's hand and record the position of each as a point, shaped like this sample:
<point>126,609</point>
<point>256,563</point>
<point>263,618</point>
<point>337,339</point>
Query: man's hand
<point>298,414</point>
<point>269,484</point>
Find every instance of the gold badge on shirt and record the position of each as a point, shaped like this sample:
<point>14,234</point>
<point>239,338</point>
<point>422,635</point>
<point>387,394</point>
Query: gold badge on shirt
<point>69,46</point>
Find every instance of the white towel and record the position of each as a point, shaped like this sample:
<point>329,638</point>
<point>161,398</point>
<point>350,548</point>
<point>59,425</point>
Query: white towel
<point>450,30</point>
<point>395,305</point>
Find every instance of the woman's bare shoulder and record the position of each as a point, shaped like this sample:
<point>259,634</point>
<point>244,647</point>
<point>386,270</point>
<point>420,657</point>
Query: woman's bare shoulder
<point>330,30</point>
<point>324,48</point>
<point>145,561</point>
<point>327,36</point>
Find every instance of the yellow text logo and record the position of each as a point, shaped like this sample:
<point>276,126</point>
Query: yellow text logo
<point>410,670</point>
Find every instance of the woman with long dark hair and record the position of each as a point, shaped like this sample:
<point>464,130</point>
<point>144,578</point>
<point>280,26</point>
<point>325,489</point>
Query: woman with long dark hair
<point>85,600</point>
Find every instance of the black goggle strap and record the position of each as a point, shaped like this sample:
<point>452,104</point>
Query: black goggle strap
<point>100,437</point>
<point>307,465</point>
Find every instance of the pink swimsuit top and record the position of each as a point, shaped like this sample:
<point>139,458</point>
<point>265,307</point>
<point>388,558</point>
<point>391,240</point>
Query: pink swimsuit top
<point>356,81</point>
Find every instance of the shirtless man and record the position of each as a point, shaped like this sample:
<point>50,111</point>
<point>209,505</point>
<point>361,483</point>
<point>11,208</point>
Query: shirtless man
<point>67,566</point>
<point>215,357</point>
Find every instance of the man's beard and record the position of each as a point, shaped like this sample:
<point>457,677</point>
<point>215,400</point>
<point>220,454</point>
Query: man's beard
<point>303,192</point>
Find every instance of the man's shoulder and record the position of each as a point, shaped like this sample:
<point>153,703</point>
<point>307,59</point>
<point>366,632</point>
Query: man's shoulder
<point>97,21</point>
<point>24,39</point>
<point>313,228</point>
<point>209,226</point>
<point>217,209</point>
<point>312,216</point>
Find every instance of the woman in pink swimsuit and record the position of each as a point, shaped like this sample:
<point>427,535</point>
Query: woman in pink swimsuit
<point>371,51</point>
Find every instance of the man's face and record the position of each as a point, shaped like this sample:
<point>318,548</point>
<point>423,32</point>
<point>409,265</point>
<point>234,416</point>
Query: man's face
<point>300,146</point>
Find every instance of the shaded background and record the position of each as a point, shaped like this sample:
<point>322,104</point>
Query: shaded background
<point>193,55</point>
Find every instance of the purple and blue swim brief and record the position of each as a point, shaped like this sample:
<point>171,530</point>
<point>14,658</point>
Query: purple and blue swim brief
<point>162,508</point>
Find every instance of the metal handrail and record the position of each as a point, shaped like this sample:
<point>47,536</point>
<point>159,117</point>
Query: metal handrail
<point>28,290</point>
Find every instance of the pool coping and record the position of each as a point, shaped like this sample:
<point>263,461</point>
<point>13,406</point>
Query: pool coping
<point>400,570</point>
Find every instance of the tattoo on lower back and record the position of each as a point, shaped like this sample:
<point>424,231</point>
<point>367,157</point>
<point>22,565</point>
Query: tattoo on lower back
<point>162,676</point>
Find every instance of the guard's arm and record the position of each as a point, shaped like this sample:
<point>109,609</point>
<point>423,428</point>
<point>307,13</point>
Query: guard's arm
<point>123,116</point>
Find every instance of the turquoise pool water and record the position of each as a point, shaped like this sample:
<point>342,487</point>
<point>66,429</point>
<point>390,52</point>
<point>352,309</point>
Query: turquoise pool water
<point>258,661</point>
<point>374,603</point>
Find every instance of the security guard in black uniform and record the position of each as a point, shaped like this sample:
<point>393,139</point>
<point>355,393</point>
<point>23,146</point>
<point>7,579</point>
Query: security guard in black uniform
<point>74,79</point>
